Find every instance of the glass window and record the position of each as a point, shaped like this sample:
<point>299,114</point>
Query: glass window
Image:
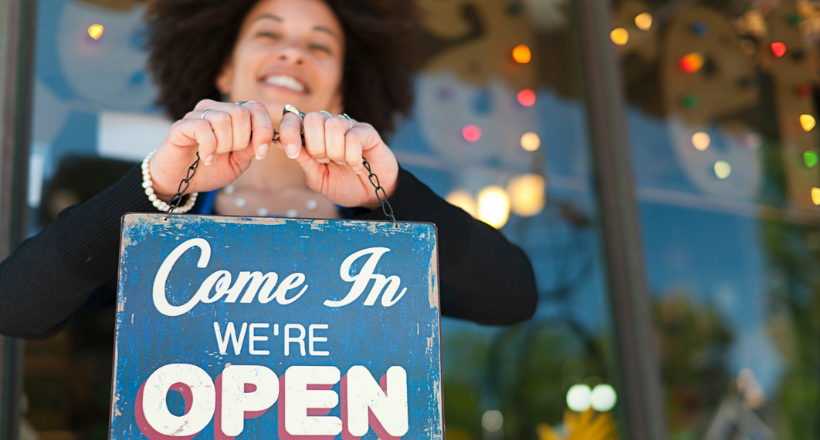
<point>499,128</point>
<point>722,100</point>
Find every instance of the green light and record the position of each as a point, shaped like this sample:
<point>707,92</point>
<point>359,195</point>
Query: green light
<point>690,102</point>
<point>811,159</point>
<point>794,19</point>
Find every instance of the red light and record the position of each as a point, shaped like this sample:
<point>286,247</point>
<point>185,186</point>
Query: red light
<point>779,49</point>
<point>526,98</point>
<point>691,63</point>
<point>804,90</point>
<point>471,133</point>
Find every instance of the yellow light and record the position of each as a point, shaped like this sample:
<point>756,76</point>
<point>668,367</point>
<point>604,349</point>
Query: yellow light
<point>463,200</point>
<point>644,21</point>
<point>493,206</point>
<point>619,36</point>
<point>815,196</point>
<point>722,169</point>
<point>807,121</point>
<point>95,31</point>
<point>527,194</point>
<point>530,141</point>
<point>521,54</point>
<point>701,140</point>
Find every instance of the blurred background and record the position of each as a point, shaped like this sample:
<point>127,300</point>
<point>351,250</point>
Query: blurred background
<point>657,160</point>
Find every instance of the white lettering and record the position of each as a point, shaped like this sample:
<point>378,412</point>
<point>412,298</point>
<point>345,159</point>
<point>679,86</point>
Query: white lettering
<point>361,280</point>
<point>298,399</point>
<point>235,401</point>
<point>252,338</point>
<point>313,339</point>
<point>300,339</point>
<point>389,406</point>
<point>230,336</point>
<point>155,406</point>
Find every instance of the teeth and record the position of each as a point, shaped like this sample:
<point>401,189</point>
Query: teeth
<point>285,81</point>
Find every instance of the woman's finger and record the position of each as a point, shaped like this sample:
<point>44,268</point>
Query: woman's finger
<point>290,134</point>
<point>335,130</point>
<point>353,150</point>
<point>221,126</point>
<point>262,128</point>
<point>240,127</point>
<point>315,135</point>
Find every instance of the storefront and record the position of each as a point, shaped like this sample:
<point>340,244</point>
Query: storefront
<point>656,160</point>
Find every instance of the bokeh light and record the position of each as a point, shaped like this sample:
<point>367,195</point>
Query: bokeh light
<point>95,31</point>
<point>815,195</point>
<point>644,21</point>
<point>807,122</point>
<point>530,141</point>
<point>578,398</point>
<point>722,169</point>
<point>691,62</point>
<point>619,36</point>
<point>526,98</point>
<point>463,200</point>
<point>521,54</point>
<point>603,398</point>
<point>492,420</point>
<point>493,206</point>
<point>471,133</point>
<point>701,141</point>
<point>527,194</point>
<point>810,158</point>
<point>778,49</point>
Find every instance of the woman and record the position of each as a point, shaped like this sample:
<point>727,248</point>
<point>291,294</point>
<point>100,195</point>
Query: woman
<point>323,57</point>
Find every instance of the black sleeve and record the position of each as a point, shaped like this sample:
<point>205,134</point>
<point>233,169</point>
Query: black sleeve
<point>484,277</point>
<point>50,275</point>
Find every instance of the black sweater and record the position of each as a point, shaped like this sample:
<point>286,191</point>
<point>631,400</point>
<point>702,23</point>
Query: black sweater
<point>43,284</point>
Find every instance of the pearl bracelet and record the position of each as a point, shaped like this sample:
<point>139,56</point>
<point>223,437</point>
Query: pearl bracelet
<point>148,184</point>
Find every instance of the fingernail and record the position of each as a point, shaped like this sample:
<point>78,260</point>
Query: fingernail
<point>341,162</point>
<point>292,151</point>
<point>262,151</point>
<point>209,159</point>
<point>356,170</point>
<point>325,160</point>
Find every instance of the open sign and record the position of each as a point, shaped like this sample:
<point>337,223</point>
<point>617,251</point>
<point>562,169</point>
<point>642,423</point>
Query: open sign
<point>274,328</point>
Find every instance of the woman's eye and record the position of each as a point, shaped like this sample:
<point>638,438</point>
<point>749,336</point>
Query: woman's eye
<point>320,48</point>
<point>270,35</point>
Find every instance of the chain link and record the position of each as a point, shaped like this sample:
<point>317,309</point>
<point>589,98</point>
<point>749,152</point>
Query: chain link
<point>374,180</point>
<point>183,186</point>
<point>386,208</point>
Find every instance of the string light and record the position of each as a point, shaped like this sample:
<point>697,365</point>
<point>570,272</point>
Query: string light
<point>530,141</point>
<point>810,158</point>
<point>463,200</point>
<point>526,98</point>
<point>815,195</point>
<point>644,21</point>
<point>807,122</point>
<point>722,169</point>
<point>603,397</point>
<point>95,31</point>
<point>527,194</point>
<point>578,398</point>
<point>779,49</point>
<point>619,36</point>
<point>521,54</point>
<point>471,133</point>
<point>691,63</point>
<point>493,206</point>
<point>701,141</point>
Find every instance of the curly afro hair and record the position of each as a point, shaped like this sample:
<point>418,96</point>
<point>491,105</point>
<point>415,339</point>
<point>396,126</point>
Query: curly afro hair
<point>190,40</point>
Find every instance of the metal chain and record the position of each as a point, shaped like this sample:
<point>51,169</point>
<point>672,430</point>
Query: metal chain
<point>374,180</point>
<point>183,186</point>
<point>386,208</point>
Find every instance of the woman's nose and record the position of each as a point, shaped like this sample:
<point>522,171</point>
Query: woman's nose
<point>292,55</point>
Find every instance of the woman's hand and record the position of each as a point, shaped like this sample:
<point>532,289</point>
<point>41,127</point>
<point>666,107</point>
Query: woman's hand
<point>227,139</point>
<point>332,157</point>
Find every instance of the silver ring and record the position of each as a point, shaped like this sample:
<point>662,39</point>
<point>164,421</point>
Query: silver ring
<point>329,115</point>
<point>202,116</point>
<point>291,109</point>
<point>350,121</point>
<point>242,103</point>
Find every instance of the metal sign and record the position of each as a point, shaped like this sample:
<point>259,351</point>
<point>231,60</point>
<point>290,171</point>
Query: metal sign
<point>276,328</point>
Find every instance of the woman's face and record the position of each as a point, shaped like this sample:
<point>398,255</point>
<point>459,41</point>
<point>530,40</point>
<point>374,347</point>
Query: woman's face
<point>287,52</point>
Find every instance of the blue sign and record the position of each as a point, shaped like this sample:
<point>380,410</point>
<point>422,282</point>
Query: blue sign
<point>265,328</point>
